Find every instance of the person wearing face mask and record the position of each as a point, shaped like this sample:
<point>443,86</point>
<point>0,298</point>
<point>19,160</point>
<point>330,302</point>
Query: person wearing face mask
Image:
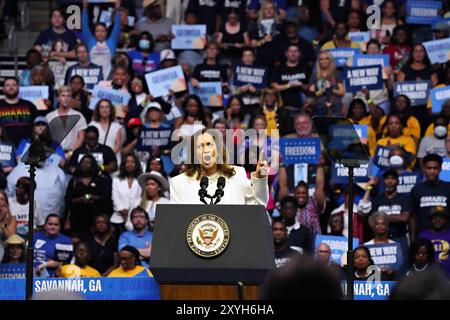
<point>398,159</point>
<point>436,143</point>
<point>396,137</point>
<point>143,58</point>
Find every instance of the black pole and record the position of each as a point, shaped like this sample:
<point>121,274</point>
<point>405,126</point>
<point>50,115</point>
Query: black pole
<point>30,248</point>
<point>350,272</point>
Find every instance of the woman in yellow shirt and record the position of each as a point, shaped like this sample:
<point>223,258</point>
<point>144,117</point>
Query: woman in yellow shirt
<point>395,136</point>
<point>130,265</point>
<point>357,113</point>
<point>402,107</point>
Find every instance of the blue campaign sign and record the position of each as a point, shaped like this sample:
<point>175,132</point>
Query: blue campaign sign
<point>386,255</point>
<point>438,97</point>
<point>160,82</point>
<point>416,91</point>
<point>300,150</point>
<point>423,12</point>
<point>338,245</point>
<point>343,136</point>
<point>359,36</point>
<point>358,78</point>
<point>341,55</point>
<point>12,271</point>
<point>257,76</point>
<point>133,288</point>
<point>7,154</point>
<point>117,97</point>
<point>339,173</point>
<point>149,137</point>
<point>370,290</point>
<point>445,171</point>
<point>189,36</point>
<point>438,50</point>
<point>406,181</point>
<point>382,156</point>
<point>363,60</point>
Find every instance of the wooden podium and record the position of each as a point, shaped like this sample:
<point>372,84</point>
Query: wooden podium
<point>208,292</point>
<point>237,273</point>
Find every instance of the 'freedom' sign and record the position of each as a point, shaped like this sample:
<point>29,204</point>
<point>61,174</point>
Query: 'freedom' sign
<point>300,150</point>
<point>416,91</point>
<point>423,12</point>
<point>254,75</point>
<point>358,78</point>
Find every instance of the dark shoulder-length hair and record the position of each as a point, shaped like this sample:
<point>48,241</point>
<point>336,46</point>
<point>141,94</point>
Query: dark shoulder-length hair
<point>95,171</point>
<point>22,257</point>
<point>137,171</point>
<point>352,106</point>
<point>200,111</point>
<point>96,113</point>
<point>144,84</point>
<point>369,256</point>
<point>426,60</point>
<point>415,246</point>
<point>193,169</point>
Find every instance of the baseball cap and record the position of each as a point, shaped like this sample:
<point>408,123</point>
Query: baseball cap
<point>167,54</point>
<point>40,119</point>
<point>134,122</point>
<point>438,210</point>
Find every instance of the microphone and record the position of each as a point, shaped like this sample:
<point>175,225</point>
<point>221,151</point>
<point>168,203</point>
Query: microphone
<point>202,193</point>
<point>219,192</point>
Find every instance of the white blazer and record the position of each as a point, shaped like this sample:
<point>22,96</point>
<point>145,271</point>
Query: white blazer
<point>124,198</point>
<point>238,189</point>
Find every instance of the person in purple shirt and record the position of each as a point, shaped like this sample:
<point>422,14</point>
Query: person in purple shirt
<point>439,235</point>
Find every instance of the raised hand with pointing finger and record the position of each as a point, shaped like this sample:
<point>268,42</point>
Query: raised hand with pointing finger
<point>262,167</point>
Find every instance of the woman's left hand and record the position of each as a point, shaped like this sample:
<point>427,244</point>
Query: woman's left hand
<point>262,167</point>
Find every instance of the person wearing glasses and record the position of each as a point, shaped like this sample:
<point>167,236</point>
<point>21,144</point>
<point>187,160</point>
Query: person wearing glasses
<point>140,237</point>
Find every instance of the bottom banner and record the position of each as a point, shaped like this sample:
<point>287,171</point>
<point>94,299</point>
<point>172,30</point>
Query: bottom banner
<point>370,290</point>
<point>88,288</point>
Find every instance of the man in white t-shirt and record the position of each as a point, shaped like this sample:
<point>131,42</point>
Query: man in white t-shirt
<point>68,119</point>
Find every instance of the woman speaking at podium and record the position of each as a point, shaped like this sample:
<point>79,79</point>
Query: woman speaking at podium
<point>206,150</point>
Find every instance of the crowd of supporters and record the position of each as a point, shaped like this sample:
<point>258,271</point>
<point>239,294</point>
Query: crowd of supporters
<point>98,192</point>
